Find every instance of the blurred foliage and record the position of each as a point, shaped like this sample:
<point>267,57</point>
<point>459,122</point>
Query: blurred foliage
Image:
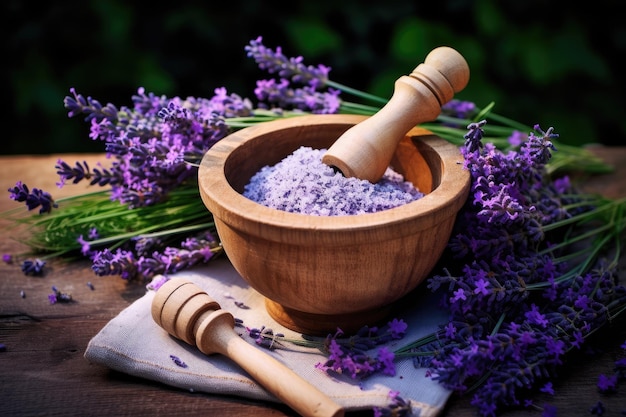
<point>539,61</point>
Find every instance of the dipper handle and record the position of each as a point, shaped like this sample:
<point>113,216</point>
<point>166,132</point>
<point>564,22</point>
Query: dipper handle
<point>186,312</point>
<point>365,150</point>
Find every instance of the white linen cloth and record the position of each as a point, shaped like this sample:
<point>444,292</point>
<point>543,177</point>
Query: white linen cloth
<point>133,343</point>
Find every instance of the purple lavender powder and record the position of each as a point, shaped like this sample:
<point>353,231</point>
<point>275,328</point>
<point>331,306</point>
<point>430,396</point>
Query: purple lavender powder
<point>302,183</point>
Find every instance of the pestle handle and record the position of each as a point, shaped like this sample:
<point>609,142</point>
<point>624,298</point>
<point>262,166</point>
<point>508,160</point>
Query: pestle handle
<point>186,312</point>
<point>366,149</point>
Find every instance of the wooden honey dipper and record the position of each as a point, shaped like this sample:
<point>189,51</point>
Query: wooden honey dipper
<point>365,150</point>
<point>188,313</point>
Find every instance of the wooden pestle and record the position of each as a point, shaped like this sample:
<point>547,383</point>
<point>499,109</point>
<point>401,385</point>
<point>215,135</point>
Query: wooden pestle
<point>186,312</point>
<point>365,150</point>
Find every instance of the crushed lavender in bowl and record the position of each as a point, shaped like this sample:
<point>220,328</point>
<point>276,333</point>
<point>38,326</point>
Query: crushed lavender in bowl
<point>302,183</point>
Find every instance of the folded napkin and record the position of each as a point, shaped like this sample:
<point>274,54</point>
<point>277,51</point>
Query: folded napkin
<point>134,344</point>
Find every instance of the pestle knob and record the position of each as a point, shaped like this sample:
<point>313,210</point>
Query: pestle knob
<point>365,150</point>
<point>186,312</point>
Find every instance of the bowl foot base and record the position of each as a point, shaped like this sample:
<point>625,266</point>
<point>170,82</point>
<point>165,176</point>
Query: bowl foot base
<point>324,324</point>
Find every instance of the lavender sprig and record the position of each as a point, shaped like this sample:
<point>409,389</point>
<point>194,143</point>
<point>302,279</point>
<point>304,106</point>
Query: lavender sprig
<point>33,267</point>
<point>274,61</point>
<point>293,70</point>
<point>280,95</point>
<point>357,356</point>
<point>81,171</point>
<point>132,263</point>
<point>78,104</point>
<point>519,303</point>
<point>58,296</point>
<point>90,223</point>
<point>153,142</point>
<point>33,199</point>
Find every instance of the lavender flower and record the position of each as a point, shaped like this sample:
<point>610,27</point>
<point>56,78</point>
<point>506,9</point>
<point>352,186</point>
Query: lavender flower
<point>547,388</point>
<point>35,198</point>
<point>229,105</point>
<point>298,87</point>
<point>274,61</point>
<point>281,95</point>
<point>156,282</point>
<point>265,337</point>
<point>517,138</point>
<point>33,267</point>
<point>455,113</point>
<point>516,307</point>
<point>85,246</point>
<point>398,407</point>
<point>120,262</point>
<point>473,138</point>
<point>77,104</point>
<point>178,361</point>
<point>459,108</point>
<point>151,143</point>
<point>58,296</point>
<point>81,171</point>
<point>358,357</point>
<point>607,383</point>
<point>133,262</point>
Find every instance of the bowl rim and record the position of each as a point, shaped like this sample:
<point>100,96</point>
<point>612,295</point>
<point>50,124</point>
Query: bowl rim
<point>225,203</point>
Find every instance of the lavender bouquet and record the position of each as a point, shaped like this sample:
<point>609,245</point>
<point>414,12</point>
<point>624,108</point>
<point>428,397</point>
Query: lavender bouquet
<point>536,258</point>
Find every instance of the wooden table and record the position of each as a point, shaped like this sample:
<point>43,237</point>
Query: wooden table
<point>43,371</point>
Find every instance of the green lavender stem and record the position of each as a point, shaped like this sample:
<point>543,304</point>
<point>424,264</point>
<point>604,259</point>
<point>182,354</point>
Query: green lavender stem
<point>57,231</point>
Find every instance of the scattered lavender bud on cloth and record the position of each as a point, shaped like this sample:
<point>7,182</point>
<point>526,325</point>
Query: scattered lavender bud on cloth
<point>178,361</point>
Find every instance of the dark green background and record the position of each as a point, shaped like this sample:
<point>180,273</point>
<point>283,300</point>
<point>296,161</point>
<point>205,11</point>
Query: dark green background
<point>541,62</point>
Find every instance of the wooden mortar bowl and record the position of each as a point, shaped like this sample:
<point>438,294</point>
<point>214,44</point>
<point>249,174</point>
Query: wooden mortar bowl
<point>318,273</point>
